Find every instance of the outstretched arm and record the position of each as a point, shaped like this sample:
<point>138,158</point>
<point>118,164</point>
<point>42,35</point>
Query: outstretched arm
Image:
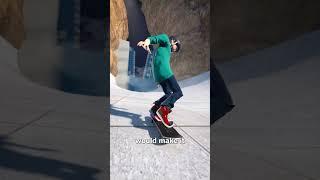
<point>145,44</point>
<point>161,39</point>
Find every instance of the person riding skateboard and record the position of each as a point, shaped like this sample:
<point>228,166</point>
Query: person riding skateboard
<point>164,75</point>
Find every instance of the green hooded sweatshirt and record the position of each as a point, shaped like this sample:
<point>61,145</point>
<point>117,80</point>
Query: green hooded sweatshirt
<point>161,62</point>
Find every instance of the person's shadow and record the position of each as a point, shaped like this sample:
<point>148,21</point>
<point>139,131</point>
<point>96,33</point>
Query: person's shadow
<point>138,122</point>
<point>10,158</point>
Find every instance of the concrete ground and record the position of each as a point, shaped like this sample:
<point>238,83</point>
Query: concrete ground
<point>45,133</point>
<point>274,130</point>
<point>130,123</point>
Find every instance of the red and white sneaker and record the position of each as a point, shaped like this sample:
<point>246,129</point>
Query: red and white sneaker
<point>162,113</point>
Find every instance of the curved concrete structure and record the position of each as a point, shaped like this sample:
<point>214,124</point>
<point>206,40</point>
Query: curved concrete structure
<point>45,133</point>
<point>273,132</point>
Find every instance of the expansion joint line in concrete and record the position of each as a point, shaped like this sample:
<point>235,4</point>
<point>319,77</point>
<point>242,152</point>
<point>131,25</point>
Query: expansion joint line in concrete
<point>30,122</point>
<point>120,100</point>
<point>194,140</point>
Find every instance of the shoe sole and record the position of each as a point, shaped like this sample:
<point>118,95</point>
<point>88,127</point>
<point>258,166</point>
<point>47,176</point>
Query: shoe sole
<point>155,116</point>
<point>163,120</point>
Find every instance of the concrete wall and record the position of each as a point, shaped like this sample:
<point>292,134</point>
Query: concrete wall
<point>122,53</point>
<point>8,55</point>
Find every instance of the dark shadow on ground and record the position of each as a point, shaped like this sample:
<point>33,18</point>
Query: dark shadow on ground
<point>137,121</point>
<point>15,160</point>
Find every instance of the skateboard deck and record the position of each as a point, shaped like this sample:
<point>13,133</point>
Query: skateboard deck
<point>164,131</point>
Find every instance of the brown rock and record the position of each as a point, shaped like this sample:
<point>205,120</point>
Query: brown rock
<point>244,26</point>
<point>11,21</point>
<point>118,30</point>
<point>189,20</point>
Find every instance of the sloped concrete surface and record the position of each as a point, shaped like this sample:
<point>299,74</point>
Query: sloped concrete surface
<point>46,133</point>
<point>130,122</point>
<point>273,132</point>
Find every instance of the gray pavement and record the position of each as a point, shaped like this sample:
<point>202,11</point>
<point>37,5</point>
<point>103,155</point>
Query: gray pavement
<point>273,132</point>
<point>130,123</point>
<point>46,133</point>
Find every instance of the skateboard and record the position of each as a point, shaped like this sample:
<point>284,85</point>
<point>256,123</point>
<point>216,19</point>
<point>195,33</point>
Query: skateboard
<point>164,131</point>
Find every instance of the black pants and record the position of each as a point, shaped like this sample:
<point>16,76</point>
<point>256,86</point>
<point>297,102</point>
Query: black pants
<point>172,92</point>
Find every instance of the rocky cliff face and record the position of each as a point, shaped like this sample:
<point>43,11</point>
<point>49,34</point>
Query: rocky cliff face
<point>243,26</point>
<point>118,30</point>
<point>188,20</point>
<point>11,21</point>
